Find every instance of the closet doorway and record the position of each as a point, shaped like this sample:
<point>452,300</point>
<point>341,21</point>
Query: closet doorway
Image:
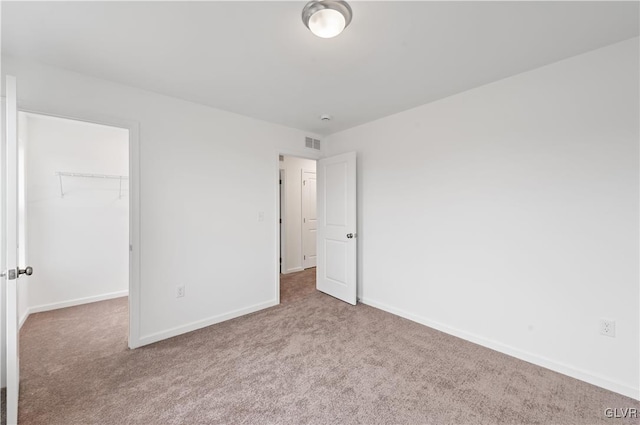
<point>75,201</point>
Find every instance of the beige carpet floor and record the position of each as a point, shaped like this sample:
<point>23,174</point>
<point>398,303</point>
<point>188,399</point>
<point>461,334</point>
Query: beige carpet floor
<point>295,286</point>
<point>311,360</point>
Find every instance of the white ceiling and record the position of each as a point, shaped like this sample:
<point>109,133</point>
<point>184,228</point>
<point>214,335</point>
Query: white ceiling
<point>259,60</point>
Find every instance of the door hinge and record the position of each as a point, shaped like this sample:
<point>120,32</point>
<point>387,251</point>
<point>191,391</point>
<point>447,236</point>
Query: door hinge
<point>280,221</point>
<point>304,182</point>
<point>304,257</point>
<point>280,260</point>
<point>280,181</point>
<point>304,220</point>
<point>10,274</point>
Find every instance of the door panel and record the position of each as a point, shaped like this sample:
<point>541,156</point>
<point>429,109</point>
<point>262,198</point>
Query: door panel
<point>336,273</point>
<point>309,219</point>
<point>336,260</point>
<point>336,198</point>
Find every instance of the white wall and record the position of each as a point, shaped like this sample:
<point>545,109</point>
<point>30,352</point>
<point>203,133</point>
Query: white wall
<point>292,217</point>
<point>205,175</point>
<point>508,214</point>
<point>77,244</point>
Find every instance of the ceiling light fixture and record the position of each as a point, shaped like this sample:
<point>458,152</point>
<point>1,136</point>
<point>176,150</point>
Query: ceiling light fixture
<point>327,18</point>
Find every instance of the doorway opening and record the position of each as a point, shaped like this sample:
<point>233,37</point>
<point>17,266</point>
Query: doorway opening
<point>298,227</point>
<point>76,214</point>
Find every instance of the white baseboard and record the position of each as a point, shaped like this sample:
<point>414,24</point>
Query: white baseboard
<point>23,319</point>
<point>547,363</point>
<point>293,270</point>
<point>71,303</point>
<point>179,330</point>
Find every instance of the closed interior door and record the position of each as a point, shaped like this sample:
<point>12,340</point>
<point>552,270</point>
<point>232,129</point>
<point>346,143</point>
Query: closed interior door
<point>309,219</point>
<point>336,272</point>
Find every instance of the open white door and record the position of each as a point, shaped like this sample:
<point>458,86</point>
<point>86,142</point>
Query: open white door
<point>10,250</point>
<point>337,250</point>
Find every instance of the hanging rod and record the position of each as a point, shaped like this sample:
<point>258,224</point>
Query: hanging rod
<point>62,174</point>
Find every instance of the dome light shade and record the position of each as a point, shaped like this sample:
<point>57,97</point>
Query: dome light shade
<point>326,23</point>
<point>326,18</point>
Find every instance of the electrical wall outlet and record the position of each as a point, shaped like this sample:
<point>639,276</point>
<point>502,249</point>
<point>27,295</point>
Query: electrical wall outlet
<point>608,327</point>
<point>180,291</point>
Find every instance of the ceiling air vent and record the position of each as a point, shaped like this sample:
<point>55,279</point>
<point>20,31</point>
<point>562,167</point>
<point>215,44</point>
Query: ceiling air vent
<point>311,143</point>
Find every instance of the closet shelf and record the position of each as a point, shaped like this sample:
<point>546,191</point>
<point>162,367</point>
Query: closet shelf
<point>62,174</point>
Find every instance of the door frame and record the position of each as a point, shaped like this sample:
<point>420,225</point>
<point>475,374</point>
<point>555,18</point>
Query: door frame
<point>134,204</point>
<point>276,262</point>
<point>281,201</point>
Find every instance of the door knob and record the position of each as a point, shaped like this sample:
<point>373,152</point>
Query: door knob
<point>28,271</point>
<point>349,235</point>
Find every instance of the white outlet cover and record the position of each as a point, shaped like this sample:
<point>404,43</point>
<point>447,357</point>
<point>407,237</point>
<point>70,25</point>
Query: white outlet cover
<point>608,327</point>
<point>180,291</point>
